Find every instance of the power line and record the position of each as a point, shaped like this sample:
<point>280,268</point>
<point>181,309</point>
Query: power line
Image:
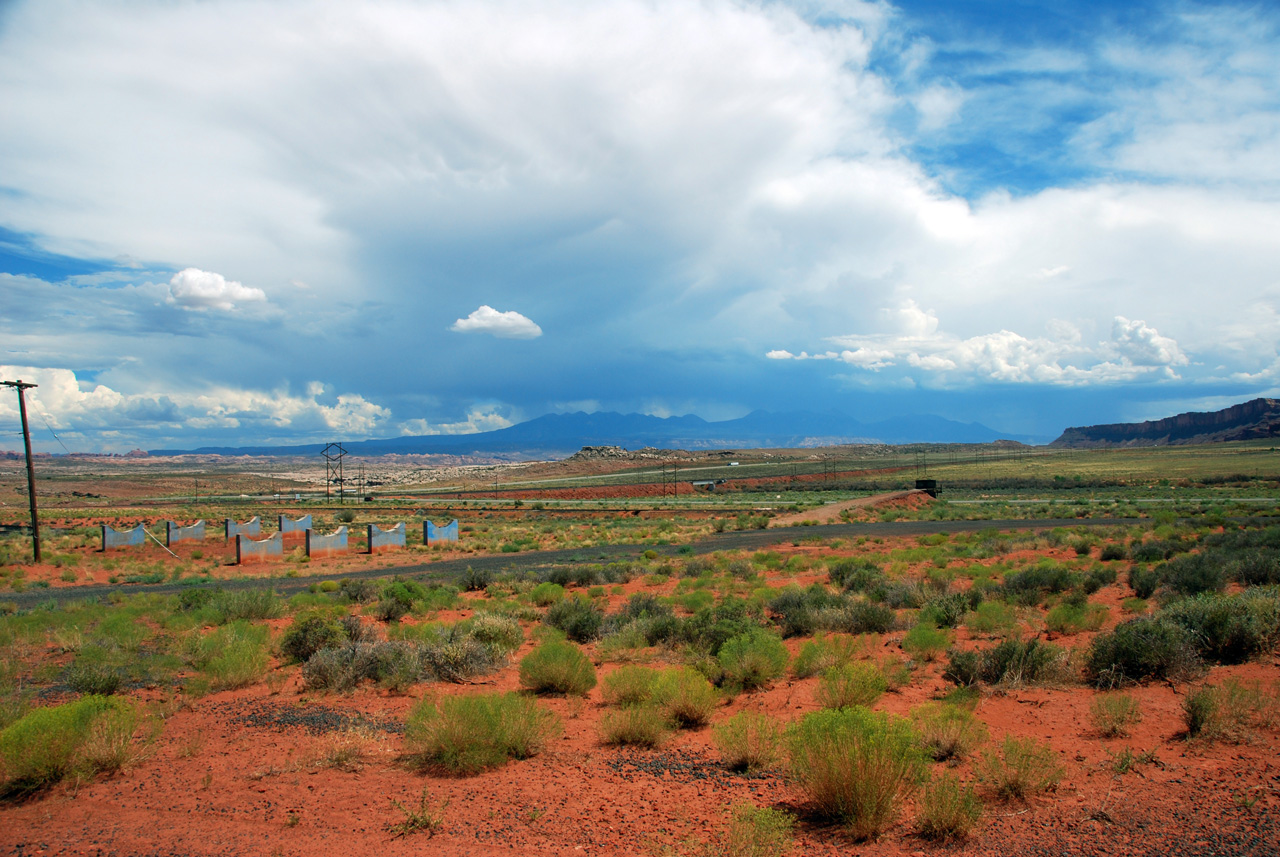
<point>40,411</point>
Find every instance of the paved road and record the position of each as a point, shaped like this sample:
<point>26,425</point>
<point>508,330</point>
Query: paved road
<point>453,568</point>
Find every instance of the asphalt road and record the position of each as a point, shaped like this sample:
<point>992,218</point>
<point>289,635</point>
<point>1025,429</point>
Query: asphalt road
<point>449,569</point>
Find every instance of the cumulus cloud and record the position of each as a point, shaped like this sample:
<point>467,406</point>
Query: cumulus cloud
<point>478,419</point>
<point>78,411</point>
<point>677,184</point>
<point>197,290</point>
<point>1135,350</point>
<point>506,325</point>
<point>1143,345</point>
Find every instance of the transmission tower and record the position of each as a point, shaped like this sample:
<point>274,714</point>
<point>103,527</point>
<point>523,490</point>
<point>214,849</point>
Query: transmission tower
<point>333,455</point>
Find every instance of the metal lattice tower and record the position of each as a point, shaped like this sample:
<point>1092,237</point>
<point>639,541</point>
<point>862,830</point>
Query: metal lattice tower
<point>333,455</point>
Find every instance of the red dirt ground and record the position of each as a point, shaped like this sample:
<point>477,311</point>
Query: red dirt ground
<point>226,777</point>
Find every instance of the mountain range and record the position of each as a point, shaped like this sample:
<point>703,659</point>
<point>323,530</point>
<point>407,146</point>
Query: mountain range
<point>556,435</point>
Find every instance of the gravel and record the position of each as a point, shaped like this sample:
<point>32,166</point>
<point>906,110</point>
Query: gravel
<point>315,719</point>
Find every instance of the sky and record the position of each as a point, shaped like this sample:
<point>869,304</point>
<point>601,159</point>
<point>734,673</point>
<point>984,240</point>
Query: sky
<point>240,222</point>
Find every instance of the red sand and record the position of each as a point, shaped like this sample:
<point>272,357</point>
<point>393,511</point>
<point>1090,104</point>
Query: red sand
<point>222,779</point>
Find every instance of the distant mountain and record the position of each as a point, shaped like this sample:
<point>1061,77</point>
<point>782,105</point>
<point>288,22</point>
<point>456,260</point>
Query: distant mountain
<point>1259,418</point>
<point>563,434</point>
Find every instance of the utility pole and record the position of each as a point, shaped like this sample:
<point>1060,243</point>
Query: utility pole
<point>31,472</point>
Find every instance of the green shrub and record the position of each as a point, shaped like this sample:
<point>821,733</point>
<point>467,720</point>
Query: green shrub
<point>557,667</point>
<point>1029,586</point>
<point>1230,629</point>
<point>850,685</point>
<point>1112,551</point>
<point>992,617</point>
<point>1069,618</point>
<point>232,656</point>
<point>1113,714</point>
<point>749,741</point>
<point>637,726</point>
<point>244,605</point>
<point>685,697</point>
<point>459,657</point>
<point>925,642</point>
<point>308,635</point>
<point>1020,767</point>
<point>1201,712</point>
<point>1155,551</point>
<point>855,575</point>
<point>1229,711</point>
<point>708,630</point>
<point>948,731</point>
<point>500,633</point>
<point>578,618</point>
<point>1257,568</point>
<point>1192,574</point>
<point>1097,578</point>
<point>793,608</point>
<point>93,678</point>
<point>476,732</point>
<point>823,652</point>
<point>629,685</point>
<point>1142,648</point>
<point>858,616</point>
<point>79,738</point>
<point>947,611</point>
<point>856,765</point>
<point>1144,581</point>
<point>391,609</point>
<point>753,660</point>
<point>948,808</point>
<point>476,580</point>
<point>358,591</point>
<point>1012,661</point>
<point>394,664</point>
<point>545,594</point>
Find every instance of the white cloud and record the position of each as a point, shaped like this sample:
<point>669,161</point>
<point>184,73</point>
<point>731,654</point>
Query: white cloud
<point>506,325</point>
<point>86,410</point>
<point>1135,350</point>
<point>478,420</point>
<point>1143,345</point>
<point>649,175</point>
<point>198,290</point>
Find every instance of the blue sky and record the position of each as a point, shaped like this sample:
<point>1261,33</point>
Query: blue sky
<point>236,222</point>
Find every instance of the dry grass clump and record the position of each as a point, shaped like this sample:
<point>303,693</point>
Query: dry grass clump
<point>948,731</point>
<point>475,732</point>
<point>80,739</point>
<point>636,726</point>
<point>629,685</point>
<point>753,660</point>
<point>749,741</point>
<point>685,697</point>
<point>1114,714</point>
<point>557,667</point>
<point>948,808</point>
<point>1231,711</point>
<point>757,831</point>
<point>856,765</point>
<point>851,684</point>
<point>1020,767</point>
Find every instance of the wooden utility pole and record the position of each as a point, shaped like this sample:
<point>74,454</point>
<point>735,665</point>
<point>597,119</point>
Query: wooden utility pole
<point>31,471</point>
